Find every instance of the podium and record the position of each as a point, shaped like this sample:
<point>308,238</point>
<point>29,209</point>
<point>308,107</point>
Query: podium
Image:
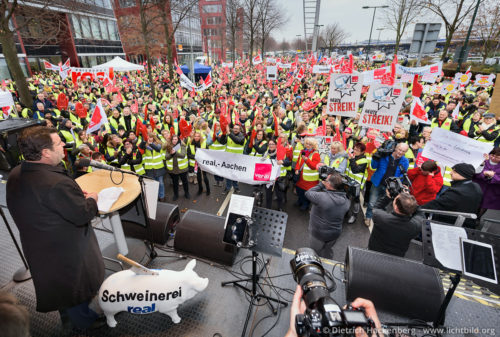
<point>101,179</point>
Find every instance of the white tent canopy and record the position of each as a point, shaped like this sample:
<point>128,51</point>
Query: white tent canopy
<point>119,64</point>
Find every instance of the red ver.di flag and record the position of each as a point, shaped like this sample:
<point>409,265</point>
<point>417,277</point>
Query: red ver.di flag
<point>98,118</point>
<point>382,106</point>
<point>344,94</point>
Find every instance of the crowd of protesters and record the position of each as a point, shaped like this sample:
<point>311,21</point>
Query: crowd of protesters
<point>157,130</point>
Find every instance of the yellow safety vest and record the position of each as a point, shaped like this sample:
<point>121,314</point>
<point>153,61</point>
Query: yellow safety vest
<point>309,174</point>
<point>232,147</point>
<point>203,145</point>
<point>182,163</point>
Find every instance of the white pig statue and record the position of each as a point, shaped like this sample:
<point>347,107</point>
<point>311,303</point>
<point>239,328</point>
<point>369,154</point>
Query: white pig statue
<point>143,293</point>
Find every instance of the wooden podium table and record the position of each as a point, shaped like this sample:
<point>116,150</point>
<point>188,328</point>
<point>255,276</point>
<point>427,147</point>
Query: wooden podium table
<point>101,179</point>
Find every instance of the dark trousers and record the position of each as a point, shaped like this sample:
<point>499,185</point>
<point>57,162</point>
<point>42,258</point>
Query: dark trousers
<point>199,174</point>
<point>80,316</point>
<point>217,178</point>
<point>175,183</point>
<point>269,196</point>
<point>303,202</point>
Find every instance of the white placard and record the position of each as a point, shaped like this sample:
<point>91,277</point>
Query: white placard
<point>151,188</point>
<point>241,205</point>
<point>6,99</point>
<point>435,68</point>
<point>446,245</point>
<point>239,167</point>
<point>382,106</point>
<point>284,65</point>
<point>271,73</point>
<point>324,143</point>
<point>449,148</point>
<point>321,69</point>
<point>344,94</point>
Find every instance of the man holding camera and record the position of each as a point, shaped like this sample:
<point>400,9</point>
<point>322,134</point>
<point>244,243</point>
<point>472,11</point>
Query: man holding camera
<point>396,225</point>
<point>330,205</point>
<point>386,165</point>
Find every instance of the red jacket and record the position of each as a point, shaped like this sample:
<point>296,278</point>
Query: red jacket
<point>312,162</point>
<point>425,187</point>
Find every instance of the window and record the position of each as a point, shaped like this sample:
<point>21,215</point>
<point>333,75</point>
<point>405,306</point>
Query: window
<point>127,3</point>
<point>113,31</point>
<point>104,29</point>
<point>214,20</point>
<point>96,30</point>
<point>76,26</point>
<point>86,31</point>
<point>210,32</point>
<point>212,8</point>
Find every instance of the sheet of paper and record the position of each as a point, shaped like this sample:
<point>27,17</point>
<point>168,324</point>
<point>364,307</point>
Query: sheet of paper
<point>151,188</point>
<point>446,245</point>
<point>240,205</point>
<point>107,197</point>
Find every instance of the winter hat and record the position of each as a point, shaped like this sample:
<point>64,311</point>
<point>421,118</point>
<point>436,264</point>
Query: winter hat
<point>465,170</point>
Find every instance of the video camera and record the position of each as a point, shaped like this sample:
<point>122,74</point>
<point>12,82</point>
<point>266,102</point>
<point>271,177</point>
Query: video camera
<point>394,186</point>
<point>386,149</point>
<point>351,187</point>
<point>323,316</point>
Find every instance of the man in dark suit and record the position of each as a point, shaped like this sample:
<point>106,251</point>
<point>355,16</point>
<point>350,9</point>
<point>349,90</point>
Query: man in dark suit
<point>53,215</point>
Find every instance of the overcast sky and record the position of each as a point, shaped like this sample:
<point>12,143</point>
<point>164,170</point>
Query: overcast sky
<point>348,13</point>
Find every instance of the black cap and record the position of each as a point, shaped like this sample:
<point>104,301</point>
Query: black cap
<point>465,170</point>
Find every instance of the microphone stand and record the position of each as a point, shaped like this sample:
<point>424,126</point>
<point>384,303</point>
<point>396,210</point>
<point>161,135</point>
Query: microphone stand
<point>23,274</point>
<point>153,254</point>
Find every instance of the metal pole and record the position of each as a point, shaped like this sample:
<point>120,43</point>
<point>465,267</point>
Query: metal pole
<point>370,38</point>
<point>191,48</point>
<point>466,42</point>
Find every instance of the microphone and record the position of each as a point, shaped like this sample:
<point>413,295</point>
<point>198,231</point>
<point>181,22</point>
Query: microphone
<point>87,162</point>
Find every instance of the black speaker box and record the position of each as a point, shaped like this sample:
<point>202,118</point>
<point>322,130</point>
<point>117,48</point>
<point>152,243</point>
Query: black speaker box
<point>394,284</point>
<point>201,234</point>
<point>134,223</point>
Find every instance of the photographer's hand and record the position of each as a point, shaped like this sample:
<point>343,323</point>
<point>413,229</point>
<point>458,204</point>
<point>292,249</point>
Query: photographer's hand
<point>298,307</point>
<point>370,312</point>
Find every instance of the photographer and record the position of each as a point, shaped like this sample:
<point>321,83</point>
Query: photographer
<point>386,163</point>
<point>394,225</point>
<point>327,214</point>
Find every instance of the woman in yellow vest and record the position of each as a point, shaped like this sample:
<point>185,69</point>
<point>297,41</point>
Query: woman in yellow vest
<point>306,170</point>
<point>336,158</point>
<point>130,158</point>
<point>177,165</point>
<point>198,143</point>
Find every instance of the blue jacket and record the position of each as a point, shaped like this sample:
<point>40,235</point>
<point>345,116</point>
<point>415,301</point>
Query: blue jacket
<point>381,167</point>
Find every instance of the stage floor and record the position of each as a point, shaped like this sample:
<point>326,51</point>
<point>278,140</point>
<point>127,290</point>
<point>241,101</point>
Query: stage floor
<point>221,311</point>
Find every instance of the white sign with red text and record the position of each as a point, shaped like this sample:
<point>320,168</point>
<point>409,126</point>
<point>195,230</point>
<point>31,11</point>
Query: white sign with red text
<point>344,94</point>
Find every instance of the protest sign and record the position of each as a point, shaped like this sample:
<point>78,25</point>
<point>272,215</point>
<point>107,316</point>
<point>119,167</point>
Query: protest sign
<point>239,167</point>
<point>344,94</point>
<point>226,64</point>
<point>324,143</point>
<point>272,73</point>
<point>284,65</point>
<point>374,76</point>
<point>91,73</point>
<point>6,99</point>
<point>485,80</point>
<point>382,106</point>
<point>321,69</point>
<point>449,148</point>
<point>463,79</point>
<point>186,83</point>
<point>430,69</point>
<point>270,60</point>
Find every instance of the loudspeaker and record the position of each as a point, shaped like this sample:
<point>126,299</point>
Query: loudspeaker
<point>134,223</point>
<point>201,234</point>
<point>394,284</point>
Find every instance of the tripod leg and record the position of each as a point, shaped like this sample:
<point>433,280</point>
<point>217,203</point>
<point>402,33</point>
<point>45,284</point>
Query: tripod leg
<point>273,309</point>
<point>249,313</point>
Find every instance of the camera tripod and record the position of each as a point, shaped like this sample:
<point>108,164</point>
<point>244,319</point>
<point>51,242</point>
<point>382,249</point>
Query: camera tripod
<point>270,232</point>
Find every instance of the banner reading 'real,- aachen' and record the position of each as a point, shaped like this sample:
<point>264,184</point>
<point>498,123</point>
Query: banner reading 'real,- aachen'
<point>243,168</point>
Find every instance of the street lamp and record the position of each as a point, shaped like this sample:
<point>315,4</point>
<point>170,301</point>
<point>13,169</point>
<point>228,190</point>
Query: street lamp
<point>371,29</point>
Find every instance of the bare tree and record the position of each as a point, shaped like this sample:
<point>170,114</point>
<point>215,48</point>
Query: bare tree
<point>30,22</point>
<point>332,35</point>
<point>233,24</point>
<point>271,17</point>
<point>453,14</point>
<point>173,13</point>
<point>271,44</point>
<point>284,46</point>
<point>298,44</point>
<point>399,15</point>
<point>487,26</point>
<point>252,15</point>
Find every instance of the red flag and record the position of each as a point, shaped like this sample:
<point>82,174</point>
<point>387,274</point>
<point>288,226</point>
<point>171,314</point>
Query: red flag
<point>180,94</point>
<point>295,88</point>
<point>276,91</point>
<point>307,105</point>
<point>418,110</point>
<point>300,74</point>
<point>172,131</point>
<point>135,107</point>
<point>280,150</point>
<point>276,125</point>
<point>62,102</point>
<point>98,118</point>
<point>252,138</point>
<point>80,111</point>
<point>311,93</point>
<point>152,123</point>
<point>417,87</point>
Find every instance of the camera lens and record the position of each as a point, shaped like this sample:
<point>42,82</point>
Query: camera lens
<point>309,273</point>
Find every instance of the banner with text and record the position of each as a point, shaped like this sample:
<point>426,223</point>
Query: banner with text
<point>435,68</point>
<point>271,73</point>
<point>6,99</point>
<point>449,148</point>
<point>382,106</point>
<point>321,69</point>
<point>344,94</point>
<point>239,167</point>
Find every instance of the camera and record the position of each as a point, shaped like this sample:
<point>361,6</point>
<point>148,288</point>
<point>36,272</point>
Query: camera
<point>350,186</point>
<point>323,316</point>
<point>394,186</point>
<point>385,150</point>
